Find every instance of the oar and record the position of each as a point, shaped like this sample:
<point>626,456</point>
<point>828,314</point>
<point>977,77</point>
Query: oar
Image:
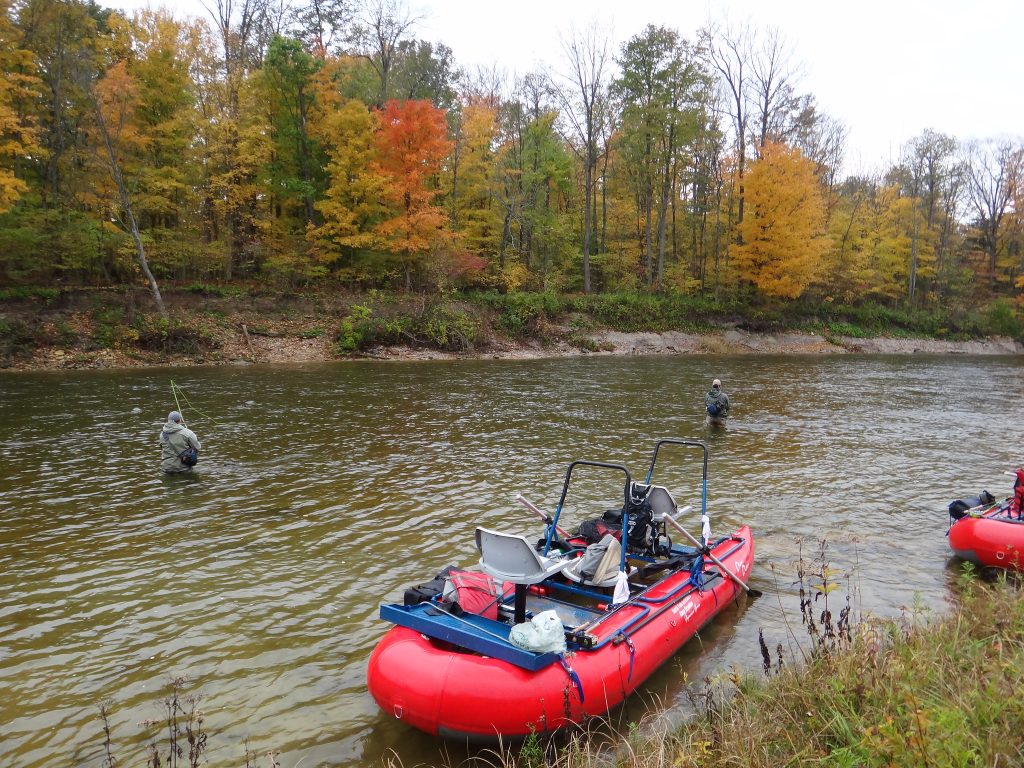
<point>546,518</point>
<point>705,550</point>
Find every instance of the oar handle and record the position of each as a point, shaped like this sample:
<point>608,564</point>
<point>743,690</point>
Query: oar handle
<point>707,551</point>
<point>530,506</point>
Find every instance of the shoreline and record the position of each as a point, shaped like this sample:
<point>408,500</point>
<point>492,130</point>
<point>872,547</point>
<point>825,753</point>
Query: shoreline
<point>244,348</point>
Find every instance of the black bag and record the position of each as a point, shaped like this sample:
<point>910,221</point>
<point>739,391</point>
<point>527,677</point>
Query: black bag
<point>426,592</point>
<point>189,457</point>
<point>642,533</point>
<point>958,508</point>
<point>592,531</point>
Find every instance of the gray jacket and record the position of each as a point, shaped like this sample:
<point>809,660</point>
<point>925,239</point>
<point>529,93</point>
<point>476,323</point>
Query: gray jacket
<point>718,399</point>
<point>174,440</point>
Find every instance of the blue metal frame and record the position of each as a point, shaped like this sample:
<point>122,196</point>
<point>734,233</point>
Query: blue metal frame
<point>565,490</point>
<point>704,474</point>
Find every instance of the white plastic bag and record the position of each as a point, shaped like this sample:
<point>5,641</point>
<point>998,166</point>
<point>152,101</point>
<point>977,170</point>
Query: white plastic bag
<point>621,594</point>
<point>543,633</point>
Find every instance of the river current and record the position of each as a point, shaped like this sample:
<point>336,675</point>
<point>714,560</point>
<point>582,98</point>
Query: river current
<point>325,489</point>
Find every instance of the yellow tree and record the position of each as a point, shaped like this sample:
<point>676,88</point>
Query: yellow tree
<point>783,231</point>
<point>353,203</point>
<point>19,87</point>
<point>475,212</point>
<point>115,99</point>
<point>886,267</point>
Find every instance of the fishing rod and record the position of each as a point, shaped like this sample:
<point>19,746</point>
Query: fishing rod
<point>175,389</point>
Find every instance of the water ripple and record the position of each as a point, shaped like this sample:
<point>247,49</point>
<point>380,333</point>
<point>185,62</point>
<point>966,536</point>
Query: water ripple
<point>326,489</point>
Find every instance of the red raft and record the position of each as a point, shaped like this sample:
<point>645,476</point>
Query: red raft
<point>461,676</point>
<point>989,534</point>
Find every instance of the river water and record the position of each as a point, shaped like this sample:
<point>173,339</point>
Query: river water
<point>326,489</point>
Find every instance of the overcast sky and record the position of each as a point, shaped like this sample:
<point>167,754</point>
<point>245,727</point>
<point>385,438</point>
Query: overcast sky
<point>888,69</point>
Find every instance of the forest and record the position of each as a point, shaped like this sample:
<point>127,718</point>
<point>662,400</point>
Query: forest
<point>321,144</point>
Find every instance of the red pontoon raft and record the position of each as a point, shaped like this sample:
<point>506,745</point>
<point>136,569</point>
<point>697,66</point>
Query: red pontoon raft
<point>987,532</point>
<point>468,661</point>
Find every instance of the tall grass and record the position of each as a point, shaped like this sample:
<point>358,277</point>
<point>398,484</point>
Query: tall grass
<point>915,691</point>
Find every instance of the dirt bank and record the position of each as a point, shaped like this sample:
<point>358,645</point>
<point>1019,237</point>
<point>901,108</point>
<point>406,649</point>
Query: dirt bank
<point>240,349</point>
<point>102,330</point>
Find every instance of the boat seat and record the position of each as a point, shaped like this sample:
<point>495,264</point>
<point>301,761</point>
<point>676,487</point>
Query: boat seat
<point>607,571</point>
<point>661,501</point>
<point>512,558</point>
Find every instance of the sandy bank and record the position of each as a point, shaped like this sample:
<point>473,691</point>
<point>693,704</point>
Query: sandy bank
<point>294,345</point>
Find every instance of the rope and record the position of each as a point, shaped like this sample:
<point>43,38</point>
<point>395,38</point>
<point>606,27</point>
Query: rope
<point>577,684</point>
<point>632,654</point>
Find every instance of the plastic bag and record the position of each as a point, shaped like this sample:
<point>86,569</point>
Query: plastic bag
<point>543,633</point>
<point>471,592</point>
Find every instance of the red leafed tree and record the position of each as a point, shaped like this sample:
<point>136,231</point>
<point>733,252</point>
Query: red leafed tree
<point>412,145</point>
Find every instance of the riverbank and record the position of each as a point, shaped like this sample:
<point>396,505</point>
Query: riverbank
<point>116,329</point>
<point>920,691</point>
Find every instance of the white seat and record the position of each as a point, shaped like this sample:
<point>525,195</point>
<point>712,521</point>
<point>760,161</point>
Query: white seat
<point>661,501</point>
<point>512,558</point>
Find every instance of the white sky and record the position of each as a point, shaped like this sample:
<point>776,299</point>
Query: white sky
<point>888,69</point>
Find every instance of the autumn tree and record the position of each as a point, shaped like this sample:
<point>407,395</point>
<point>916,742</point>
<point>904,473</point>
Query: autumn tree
<point>20,87</point>
<point>114,107</point>
<point>234,146</point>
<point>474,212</point>
<point>411,144</point>
<point>353,204</point>
<point>783,233</point>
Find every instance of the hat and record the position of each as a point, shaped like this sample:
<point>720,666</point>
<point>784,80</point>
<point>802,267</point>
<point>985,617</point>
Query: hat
<point>174,416</point>
<point>716,383</point>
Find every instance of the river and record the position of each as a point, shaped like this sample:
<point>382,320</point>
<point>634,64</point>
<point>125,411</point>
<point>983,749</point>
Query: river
<point>325,489</point>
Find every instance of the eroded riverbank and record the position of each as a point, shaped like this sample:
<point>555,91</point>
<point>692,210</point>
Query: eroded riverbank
<point>245,348</point>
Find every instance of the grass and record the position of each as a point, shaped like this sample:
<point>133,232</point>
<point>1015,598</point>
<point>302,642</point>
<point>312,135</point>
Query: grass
<point>915,691</point>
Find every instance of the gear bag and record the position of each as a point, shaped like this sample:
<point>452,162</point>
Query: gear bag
<point>471,592</point>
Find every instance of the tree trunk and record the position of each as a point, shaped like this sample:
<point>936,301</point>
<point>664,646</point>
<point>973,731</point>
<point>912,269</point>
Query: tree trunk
<point>126,204</point>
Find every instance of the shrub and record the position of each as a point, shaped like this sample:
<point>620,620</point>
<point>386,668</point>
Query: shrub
<point>17,341</point>
<point>1000,319</point>
<point>170,337</point>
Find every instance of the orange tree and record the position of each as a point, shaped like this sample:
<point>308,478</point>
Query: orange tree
<point>412,144</point>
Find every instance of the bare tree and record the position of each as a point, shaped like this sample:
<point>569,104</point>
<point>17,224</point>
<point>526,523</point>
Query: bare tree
<point>484,85</point>
<point>820,137</point>
<point>993,175</point>
<point>587,55</point>
<point>237,24</point>
<point>379,27</point>
<point>729,53</point>
<point>321,22</point>
<point>773,81</point>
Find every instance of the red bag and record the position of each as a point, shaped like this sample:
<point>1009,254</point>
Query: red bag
<point>472,592</point>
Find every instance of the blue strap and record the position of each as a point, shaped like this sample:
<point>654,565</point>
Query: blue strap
<point>572,675</point>
<point>697,573</point>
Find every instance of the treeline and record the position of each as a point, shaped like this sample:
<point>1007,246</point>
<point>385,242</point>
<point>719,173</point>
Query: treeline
<point>320,142</point>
